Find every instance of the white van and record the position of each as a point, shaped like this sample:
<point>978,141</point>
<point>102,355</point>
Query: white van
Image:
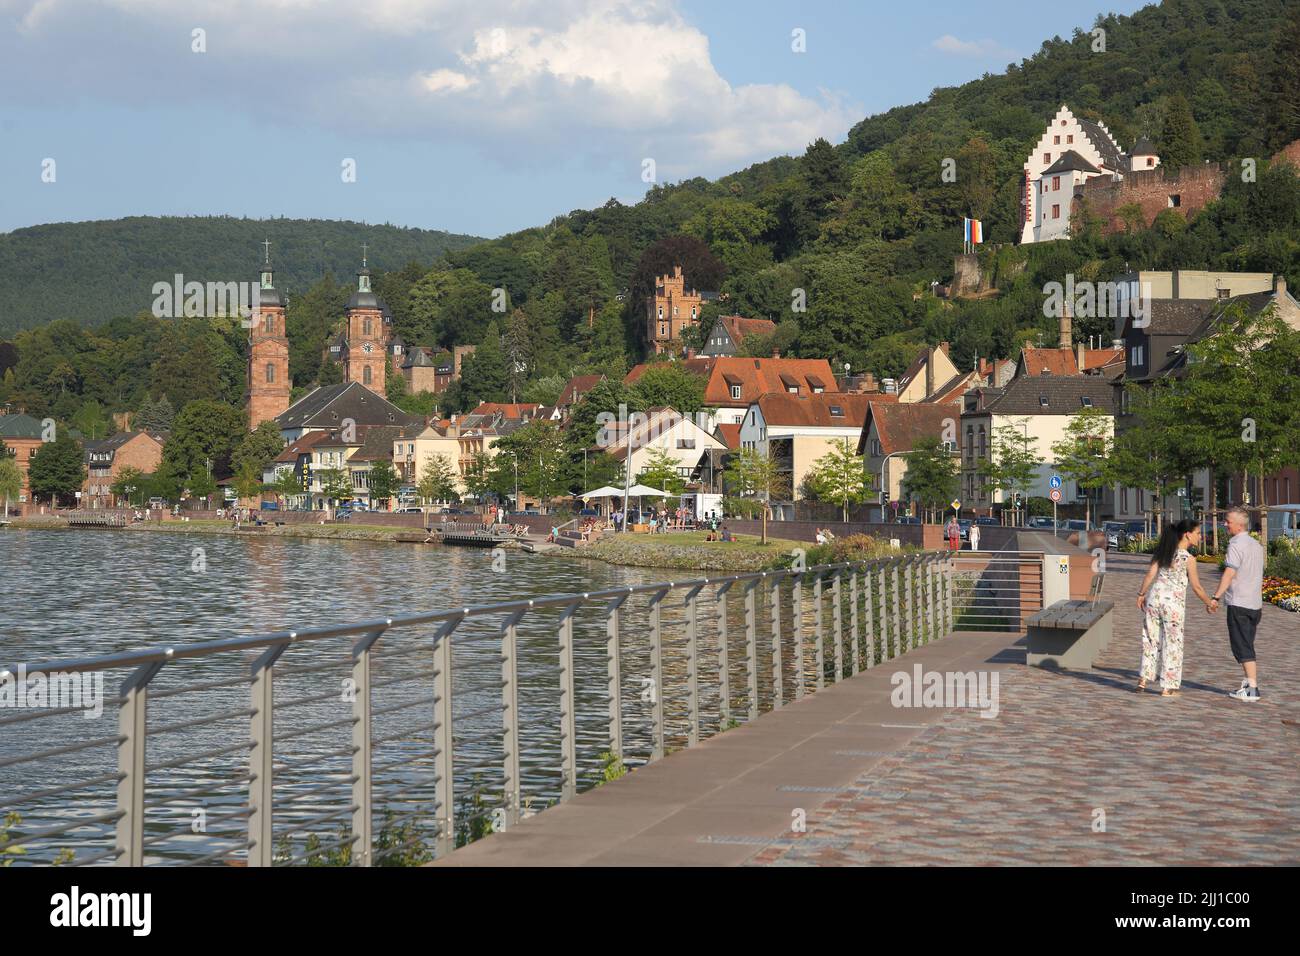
<point>1284,521</point>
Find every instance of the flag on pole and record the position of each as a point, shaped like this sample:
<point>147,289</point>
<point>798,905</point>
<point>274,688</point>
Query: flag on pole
<point>973,231</point>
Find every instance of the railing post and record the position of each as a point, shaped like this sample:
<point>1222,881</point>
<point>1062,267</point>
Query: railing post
<point>261,754</point>
<point>796,626</point>
<point>853,623</point>
<point>778,679</point>
<point>444,789</point>
<point>614,671</point>
<point>950,592</point>
<point>133,728</point>
<point>879,617</point>
<point>692,665</point>
<point>909,608</point>
<point>656,677</point>
<point>837,625</point>
<point>895,573</point>
<point>932,590</point>
<point>724,655</point>
<point>363,841</point>
<point>568,740</point>
<point>871,621</point>
<point>819,631</point>
<point>751,647</point>
<point>511,788</point>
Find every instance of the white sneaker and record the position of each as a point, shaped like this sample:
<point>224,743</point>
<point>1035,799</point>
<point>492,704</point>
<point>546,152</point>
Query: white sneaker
<point>1245,692</point>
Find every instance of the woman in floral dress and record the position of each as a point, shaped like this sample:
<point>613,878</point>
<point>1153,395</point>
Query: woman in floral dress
<point>1163,599</point>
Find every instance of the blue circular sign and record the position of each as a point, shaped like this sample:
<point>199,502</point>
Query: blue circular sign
<point>1056,481</point>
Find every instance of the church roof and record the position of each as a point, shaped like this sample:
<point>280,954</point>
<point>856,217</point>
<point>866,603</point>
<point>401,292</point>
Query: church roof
<point>1143,147</point>
<point>331,405</point>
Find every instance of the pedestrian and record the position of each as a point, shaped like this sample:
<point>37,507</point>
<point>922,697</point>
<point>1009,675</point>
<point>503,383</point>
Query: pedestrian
<point>1163,601</point>
<point>954,534</point>
<point>1242,589</point>
<point>974,535</point>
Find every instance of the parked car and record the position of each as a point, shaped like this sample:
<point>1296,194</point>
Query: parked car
<point>588,513</point>
<point>909,519</point>
<point>964,524</point>
<point>1041,523</point>
<point>270,506</point>
<point>1116,534</point>
<point>408,511</point>
<point>986,520</point>
<point>1284,521</point>
<point>1138,528</point>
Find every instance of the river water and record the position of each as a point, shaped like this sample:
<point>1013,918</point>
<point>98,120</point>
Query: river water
<point>74,594</point>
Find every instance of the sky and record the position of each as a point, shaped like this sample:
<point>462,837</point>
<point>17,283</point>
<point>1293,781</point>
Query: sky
<point>477,117</point>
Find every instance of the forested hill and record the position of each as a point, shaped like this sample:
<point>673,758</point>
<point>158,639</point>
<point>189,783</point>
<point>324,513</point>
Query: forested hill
<point>90,272</point>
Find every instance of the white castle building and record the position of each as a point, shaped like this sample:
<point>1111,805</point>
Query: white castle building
<point>1070,152</point>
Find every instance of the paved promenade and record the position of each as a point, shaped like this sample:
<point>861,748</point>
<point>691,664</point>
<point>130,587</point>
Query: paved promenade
<point>1199,779</point>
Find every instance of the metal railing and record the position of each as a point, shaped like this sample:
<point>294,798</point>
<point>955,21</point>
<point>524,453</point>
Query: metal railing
<point>544,696</point>
<point>996,590</point>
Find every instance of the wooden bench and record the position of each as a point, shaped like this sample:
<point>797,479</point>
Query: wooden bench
<point>1069,634</point>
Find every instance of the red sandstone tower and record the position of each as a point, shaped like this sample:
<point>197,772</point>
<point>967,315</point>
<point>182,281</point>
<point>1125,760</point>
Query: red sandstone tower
<point>364,356</point>
<point>268,353</point>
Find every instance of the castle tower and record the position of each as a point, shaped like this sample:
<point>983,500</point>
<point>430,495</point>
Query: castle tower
<point>670,311</point>
<point>268,352</point>
<point>364,359</point>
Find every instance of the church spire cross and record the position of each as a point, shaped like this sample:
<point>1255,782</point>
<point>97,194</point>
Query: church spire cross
<point>364,249</point>
<point>267,244</point>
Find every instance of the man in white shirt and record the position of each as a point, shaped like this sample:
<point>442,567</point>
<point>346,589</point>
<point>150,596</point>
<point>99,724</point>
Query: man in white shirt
<point>1242,589</point>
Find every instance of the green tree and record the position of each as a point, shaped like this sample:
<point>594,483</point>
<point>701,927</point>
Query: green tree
<point>669,385</point>
<point>335,484</point>
<point>154,416</point>
<point>383,481</point>
<point>438,480</point>
<point>931,479</point>
<point>660,472</point>
<point>203,439</point>
<point>1013,464</point>
<point>753,478</point>
<point>57,470</point>
<point>128,481</point>
<point>484,377</point>
<point>1180,142</point>
<point>248,480</point>
<point>258,449</point>
<point>841,476</point>
<point>11,481</point>
<point>91,421</point>
<point>1084,452</point>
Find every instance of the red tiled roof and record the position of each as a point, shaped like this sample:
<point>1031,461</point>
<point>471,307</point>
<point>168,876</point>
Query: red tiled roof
<point>782,408</point>
<point>901,426</point>
<point>1049,362</point>
<point>507,409</point>
<point>577,387</point>
<point>758,377</point>
<point>303,445</point>
<point>738,327</point>
<point>728,433</point>
<point>1100,358</point>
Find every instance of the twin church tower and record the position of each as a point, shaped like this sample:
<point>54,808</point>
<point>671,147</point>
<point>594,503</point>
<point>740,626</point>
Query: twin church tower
<point>362,348</point>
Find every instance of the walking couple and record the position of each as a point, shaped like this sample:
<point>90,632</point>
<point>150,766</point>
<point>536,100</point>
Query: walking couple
<point>1163,598</point>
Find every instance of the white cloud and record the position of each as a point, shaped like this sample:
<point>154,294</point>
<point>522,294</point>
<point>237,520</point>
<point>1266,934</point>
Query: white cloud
<point>614,79</point>
<point>981,48</point>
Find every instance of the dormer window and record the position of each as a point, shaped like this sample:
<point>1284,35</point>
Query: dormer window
<point>837,411</point>
<point>1042,400</point>
<point>1087,402</point>
<point>735,391</point>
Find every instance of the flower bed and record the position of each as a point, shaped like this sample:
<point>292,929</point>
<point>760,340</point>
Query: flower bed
<point>1285,594</point>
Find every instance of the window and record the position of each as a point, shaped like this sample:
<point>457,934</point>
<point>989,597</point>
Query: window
<point>1151,161</point>
<point>661,311</point>
<point>365,375</point>
<point>1223,293</point>
<point>1087,402</point>
<point>837,411</point>
<point>365,326</point>
<point>1056,182</point>
<point>1047,157</point>
<point>1056,141</point>
<point>686,443</point>
<point>735,391</point>
<point>266,323</point>
<point>1042,401</point>
<point>1056,211</point>
<point>1070,138</point>
<point>1175,201</point>
<point>1137,356</point>
<point>270,371</point>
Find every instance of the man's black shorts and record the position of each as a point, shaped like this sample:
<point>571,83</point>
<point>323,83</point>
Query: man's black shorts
<point>1241,632</point>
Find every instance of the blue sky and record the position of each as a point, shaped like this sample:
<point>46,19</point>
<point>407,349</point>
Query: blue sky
<point>478,117</point>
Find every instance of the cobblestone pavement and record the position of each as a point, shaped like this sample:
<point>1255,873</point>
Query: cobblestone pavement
<point>1198,779</point>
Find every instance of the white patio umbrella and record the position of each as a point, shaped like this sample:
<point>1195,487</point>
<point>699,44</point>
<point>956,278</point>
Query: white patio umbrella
<point>605,492</point>
<point>638,491</point>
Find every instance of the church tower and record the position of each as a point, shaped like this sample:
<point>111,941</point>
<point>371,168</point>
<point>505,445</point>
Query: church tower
<point>364,360</point>
<point>268,352</point>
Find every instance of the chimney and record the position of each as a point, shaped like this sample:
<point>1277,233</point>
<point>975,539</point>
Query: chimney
<point>1067,332</point>
<point>776,353</point>
<point>1117,343</point>
<point>1080,354</point>
<point>1279,285</point>
<point>929,372</point>
<point>690,353</point>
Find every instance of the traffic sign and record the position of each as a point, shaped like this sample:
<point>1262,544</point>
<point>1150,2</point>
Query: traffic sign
<point>955,504</point>
<point>1056,481</point>
<point>1056,494</point>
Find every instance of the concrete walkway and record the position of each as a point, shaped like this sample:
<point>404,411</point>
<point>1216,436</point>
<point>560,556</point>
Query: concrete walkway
<point>1198,779</point>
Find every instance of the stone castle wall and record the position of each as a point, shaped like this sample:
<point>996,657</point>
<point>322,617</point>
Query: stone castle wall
<point>1195,187</point>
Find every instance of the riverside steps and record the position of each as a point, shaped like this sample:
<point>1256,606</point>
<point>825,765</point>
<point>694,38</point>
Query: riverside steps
<point>1075,768</point>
